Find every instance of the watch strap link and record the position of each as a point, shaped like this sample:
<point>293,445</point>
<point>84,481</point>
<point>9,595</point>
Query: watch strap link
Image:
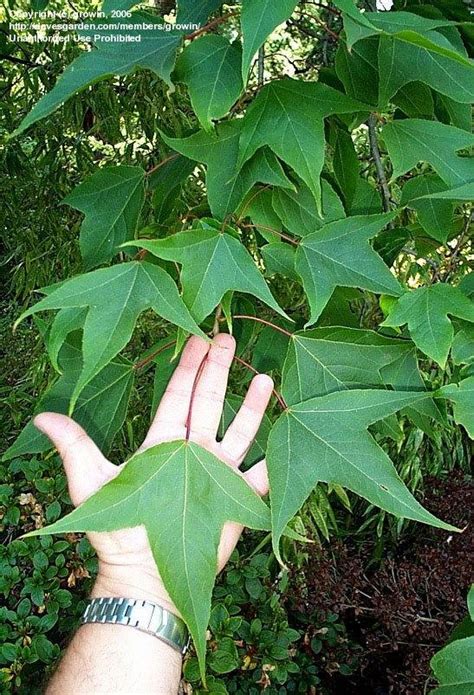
<point>143,615</point>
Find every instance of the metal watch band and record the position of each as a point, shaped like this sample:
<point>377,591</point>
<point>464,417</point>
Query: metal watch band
<point>143,615</point>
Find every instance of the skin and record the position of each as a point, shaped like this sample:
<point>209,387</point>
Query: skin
<point>114,658</point>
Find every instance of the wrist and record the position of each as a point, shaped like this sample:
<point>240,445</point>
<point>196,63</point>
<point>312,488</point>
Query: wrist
<point>132,582</point>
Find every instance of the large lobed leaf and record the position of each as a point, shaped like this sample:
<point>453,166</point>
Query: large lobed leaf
<point>115,297</point>
<point>288,116</point>
<point>111,200</point>
<point>213,262</point>
<point>154,49</point>
<point>462,397</point>
<point>426,311</point>
<point>325,439</point>
<point>226,185</point>
<point>339,254</point>
<point>335,358</point>
<point>210,67</point>
<point>183,535</point>
<point>416,140</point>
<point>258,19</point>
<point>101,406</point>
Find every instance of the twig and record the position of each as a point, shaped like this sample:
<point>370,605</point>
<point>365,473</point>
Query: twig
<point>266,323</point>
<point>463,237</point>
<point>374,148</point>
<point>261,66</point>
<point>19,61</point>
<point>270,229</point>
<point>193,393</point>
<point>217,319</point>
<point>210,25</point>
<point>277,395</point>
<point>162,163</point>
<point>149,358</point>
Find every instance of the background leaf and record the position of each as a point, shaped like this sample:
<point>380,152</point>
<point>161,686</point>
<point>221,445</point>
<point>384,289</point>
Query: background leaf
<point>210,67</point>
<point>111,200</point>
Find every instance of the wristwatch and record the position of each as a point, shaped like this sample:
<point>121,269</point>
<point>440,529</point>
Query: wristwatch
<point>143,615</point>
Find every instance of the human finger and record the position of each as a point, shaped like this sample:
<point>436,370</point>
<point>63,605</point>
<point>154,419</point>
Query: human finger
<point>171,416</point>
<point>209,394</point>
<point>86,467</point>
<point>244,427</point>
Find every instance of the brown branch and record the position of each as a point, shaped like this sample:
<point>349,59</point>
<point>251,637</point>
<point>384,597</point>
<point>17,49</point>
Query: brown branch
<point>19,61</point>
<point>270,229</point>
<point>265,322</point>
<point>463,237</point>
<point>193,393</point>
<point>162,163</point>
<point>252,197</point>
<point>217,319</point>
<point>374,148</point>
<point>210,25</point>
<point>149,358</point>
<point>277,395</point>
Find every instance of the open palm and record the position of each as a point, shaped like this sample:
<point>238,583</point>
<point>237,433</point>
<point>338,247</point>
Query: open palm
<point>190,408</point>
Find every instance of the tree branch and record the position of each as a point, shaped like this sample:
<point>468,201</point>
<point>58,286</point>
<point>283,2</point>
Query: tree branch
<point>374,148</point>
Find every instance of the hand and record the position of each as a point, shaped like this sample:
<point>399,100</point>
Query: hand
<point>193,403</point>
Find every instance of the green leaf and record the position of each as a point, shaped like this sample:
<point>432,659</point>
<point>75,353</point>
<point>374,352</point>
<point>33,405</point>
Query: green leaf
<point>414,140</point>
<point>115,297</point>
<point>258,19</point>
<point>153,49</point>
<point>100,409</point>
<point>181,523</point>
<point>470,602</point>
<point>367,199</point>
<point>166,183</point>
<point>111,200</point>
<point>339,254</point>
<point>324,360</point>
<point>298,210</point>
<point>196,11</point>
<point>270,350</point>
<point>346,165</point>
<point>213,262</point>
<point>65,322</point>
<point>226,186</point>
<point>210,67</point>
<point>350,9</point>
<point>462,396</point>
<point>109,5</point>
<point>357,69</point>
<point>462,349</point>
<point>325,439</point>
<point>415,99</point>
<point>258,206</point>
<point>280,258</point>
<point>390,242</point>
<point>464,193</point>
<point>402,62</point>
<point>225,658</point>
<point>426,311</point>
<point>453,666</point>
<point>435,216</point>
<point>288,116</point>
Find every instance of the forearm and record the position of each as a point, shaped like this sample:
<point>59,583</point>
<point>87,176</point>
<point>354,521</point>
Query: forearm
<point>117,658</point>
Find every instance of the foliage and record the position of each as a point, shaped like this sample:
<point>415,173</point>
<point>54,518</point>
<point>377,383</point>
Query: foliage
<point>330,205</point>
<point>453,665</point>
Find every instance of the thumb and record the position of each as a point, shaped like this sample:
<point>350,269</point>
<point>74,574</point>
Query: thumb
<point>86,467</point>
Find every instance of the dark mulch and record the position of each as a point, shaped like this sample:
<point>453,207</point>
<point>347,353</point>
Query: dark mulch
<point>400,613</point>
